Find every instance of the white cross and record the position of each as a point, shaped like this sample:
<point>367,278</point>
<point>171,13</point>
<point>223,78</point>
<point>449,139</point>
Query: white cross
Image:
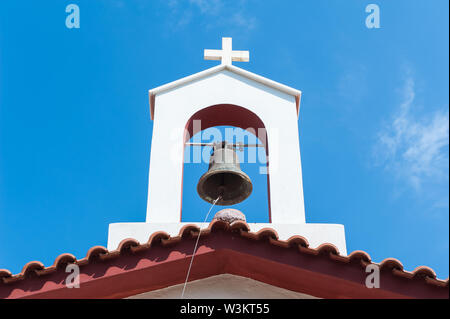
<point>227,54</point>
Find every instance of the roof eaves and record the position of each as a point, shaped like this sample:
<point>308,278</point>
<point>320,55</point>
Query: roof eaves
<point>99,253</point>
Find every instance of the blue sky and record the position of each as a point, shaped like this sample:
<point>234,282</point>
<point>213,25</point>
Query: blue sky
<point>75,129</point>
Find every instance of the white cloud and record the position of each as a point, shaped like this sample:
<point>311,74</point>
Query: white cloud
<point>415,147</point>
<point>210,7</point>
<point>217,13</point>
<point>242,21</point>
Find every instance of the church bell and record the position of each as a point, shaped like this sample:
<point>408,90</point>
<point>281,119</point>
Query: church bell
<point>224,178</point>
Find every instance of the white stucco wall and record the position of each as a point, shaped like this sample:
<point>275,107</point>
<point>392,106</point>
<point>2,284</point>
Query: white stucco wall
<point>276,109</point>
<point>224,286</point>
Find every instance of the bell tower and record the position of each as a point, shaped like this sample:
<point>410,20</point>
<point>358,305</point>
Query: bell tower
<point>226,95</point>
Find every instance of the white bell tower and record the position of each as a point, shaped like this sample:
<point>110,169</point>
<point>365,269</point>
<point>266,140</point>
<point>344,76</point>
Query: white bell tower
<point>226,95</point>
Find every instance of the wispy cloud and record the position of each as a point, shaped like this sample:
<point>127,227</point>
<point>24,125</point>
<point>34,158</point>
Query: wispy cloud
<point>243,21</point>
<point>216,12</point>
<point>415,148</point>
<point>210,7</point>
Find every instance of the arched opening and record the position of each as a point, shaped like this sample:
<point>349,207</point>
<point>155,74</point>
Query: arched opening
<point>246,127</point>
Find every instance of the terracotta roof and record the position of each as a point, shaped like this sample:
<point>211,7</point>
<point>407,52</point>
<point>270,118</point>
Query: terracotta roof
<point>99,254</point>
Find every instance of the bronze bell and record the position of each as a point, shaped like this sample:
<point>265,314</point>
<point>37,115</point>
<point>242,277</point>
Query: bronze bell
<point>224,178</point>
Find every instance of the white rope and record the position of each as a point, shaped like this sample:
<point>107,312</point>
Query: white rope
<point>195,248</point>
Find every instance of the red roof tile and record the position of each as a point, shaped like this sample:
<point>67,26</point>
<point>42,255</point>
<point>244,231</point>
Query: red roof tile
<point>98,254</point>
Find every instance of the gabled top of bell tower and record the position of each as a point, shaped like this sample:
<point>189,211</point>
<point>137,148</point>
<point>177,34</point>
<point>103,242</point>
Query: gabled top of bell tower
<point>226,55</point>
